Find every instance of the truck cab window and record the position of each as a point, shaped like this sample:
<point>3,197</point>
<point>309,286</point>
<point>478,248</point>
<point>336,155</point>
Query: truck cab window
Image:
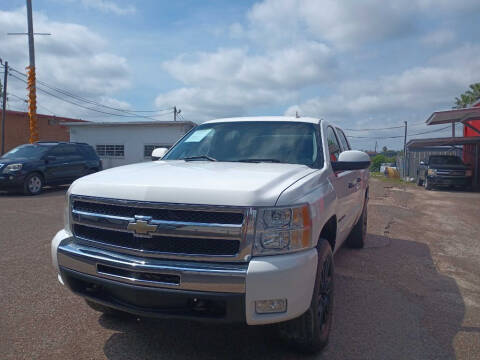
<point>333,144</point>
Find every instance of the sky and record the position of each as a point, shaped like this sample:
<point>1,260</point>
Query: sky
<point>368,64</point>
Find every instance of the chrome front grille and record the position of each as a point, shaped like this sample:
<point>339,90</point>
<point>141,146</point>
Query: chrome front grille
<point>451,172</point>
<point>193,232</point>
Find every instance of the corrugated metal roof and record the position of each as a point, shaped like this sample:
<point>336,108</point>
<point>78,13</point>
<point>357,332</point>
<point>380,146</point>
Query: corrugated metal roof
<point>452,116</point>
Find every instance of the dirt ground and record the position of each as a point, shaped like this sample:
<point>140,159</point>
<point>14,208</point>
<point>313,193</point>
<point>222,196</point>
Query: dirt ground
<point>412,293</point>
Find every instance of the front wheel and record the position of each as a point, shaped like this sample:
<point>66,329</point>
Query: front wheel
<point>427,184</point>
<point>33,184</point>
<point>309,332</point>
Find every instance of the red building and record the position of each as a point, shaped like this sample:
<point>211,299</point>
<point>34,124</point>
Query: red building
<point>469,149</point>
<point>17,128</point>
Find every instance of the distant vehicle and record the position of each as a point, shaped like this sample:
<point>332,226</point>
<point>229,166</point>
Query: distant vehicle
<point>383,167</point>
<point>29,167</point>
<point>444,170</point>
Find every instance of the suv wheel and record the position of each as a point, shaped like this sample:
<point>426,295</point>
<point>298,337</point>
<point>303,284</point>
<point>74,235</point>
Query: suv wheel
<point>356,239</point>
<point>33,184</point>
<point>427,184</point>
<point>310,332</point>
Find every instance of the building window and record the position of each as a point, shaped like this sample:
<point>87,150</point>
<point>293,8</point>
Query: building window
<point>111,151</point>
<point>147,149</point>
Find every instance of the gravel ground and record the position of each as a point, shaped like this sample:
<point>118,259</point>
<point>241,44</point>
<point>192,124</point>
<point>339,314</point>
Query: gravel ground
<point>412,293</point>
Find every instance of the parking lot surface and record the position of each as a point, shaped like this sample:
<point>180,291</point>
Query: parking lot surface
<point>412,293</point>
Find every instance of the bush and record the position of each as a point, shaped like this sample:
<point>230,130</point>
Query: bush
<point>379,160</point>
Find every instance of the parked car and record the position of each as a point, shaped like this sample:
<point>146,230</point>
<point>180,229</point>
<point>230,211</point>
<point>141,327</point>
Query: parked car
<point>238,222</point>
<point>29,167</point>
<point>444,170</point>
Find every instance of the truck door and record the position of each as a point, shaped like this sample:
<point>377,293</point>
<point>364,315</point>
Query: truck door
<point>358,180</point>
<point>344,184</point>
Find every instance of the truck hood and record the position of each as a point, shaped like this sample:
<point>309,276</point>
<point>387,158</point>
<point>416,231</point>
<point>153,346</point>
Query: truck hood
<point>194,182</point>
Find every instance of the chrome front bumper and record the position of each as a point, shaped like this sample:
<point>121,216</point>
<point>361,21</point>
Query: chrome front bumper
<point>151,272</point>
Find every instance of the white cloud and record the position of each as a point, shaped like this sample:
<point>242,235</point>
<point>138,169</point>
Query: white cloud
<point>439,37</point>
<point>109,7</point>
<point>73,58</point>
<point>411,93</point>
<point>231,81</point>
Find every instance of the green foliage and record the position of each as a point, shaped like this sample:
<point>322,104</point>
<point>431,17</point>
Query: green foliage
<point>379,160</point>
<point>469,97</point>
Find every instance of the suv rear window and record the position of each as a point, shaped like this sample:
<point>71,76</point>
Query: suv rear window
<point>88,152</point>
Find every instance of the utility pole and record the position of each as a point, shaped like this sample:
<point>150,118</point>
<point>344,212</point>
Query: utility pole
<point>175,113</point>
<point>405,153</point>
<point>32,95</point>
<point>4,105</point>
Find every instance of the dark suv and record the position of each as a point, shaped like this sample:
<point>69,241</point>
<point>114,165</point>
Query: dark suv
<point>444,170</point>
<point>29,167</point>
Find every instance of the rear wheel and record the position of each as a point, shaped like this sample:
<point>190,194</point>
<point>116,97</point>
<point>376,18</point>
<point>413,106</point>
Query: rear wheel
<point>33,184</point>
<point>419,181</point>
<point>356,239</point>
<point>310,332</point>
<point>427,184</point>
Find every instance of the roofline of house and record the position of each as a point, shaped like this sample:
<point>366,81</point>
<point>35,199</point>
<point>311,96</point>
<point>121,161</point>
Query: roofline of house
<point>61,118</point>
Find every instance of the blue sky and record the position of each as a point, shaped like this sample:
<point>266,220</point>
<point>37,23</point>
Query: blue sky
<point>367,64</point>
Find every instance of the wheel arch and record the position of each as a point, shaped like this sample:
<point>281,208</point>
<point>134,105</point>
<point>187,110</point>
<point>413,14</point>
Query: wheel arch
<point>329,231</point>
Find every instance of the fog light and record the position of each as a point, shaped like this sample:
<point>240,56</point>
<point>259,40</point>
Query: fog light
<point>270,306</point>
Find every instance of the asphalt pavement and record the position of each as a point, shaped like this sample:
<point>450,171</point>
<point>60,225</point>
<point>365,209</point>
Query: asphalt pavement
<point>412,293</point>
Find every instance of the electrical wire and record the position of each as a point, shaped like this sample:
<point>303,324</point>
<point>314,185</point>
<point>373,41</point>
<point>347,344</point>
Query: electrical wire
<point>86,107</point>
<point>132,113</point>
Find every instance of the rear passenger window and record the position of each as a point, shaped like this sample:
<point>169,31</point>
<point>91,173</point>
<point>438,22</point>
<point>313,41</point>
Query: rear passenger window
<point>343,140</point>
<point>333,144</point>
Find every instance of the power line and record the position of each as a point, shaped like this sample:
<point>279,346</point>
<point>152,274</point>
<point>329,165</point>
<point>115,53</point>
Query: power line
<point>86,107</point>
<point>132,113</point>
<point>399,136</point>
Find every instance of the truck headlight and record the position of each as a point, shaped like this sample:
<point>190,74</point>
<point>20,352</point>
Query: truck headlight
<point>432,172</point>
<point>283,230</point>
<point>12,168</point>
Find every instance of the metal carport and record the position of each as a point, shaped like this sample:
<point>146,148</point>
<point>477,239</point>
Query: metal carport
<point>468,117</point>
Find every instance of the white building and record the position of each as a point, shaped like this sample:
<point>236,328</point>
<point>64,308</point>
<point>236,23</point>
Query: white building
<point>121,143</point>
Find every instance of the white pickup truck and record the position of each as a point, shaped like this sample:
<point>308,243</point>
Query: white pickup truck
<point>237,222</point>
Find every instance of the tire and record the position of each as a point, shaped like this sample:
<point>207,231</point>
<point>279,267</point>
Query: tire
<point>33,184</point>
<point>427,184</point>
<point>419,181</point>
<point>309,333</point>
<point>103,309</point>
<point>356,239</point>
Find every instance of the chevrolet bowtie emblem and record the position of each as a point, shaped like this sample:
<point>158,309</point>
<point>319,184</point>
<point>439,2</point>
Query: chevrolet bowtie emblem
<point>142,226</point>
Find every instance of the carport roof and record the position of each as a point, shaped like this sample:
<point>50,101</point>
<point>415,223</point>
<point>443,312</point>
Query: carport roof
<point>446,141</point>
<point>453,116</point>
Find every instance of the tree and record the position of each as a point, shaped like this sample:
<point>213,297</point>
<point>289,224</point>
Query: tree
<point>384,149</point>
<point>469,97</point>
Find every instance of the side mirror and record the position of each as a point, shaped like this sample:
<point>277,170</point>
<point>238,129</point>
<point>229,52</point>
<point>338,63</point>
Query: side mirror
<point>422,162</point>
<point>50,158</point>
<point>351,160</point>
<point>158,153</point>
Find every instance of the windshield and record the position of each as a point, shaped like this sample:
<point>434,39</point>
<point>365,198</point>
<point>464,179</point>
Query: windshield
<point>277,142</point>
<point>26,151</point>
<point>445,160</point>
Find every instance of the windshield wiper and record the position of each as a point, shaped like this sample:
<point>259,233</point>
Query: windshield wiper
<point>253,160</point>
<point>200,157</point>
